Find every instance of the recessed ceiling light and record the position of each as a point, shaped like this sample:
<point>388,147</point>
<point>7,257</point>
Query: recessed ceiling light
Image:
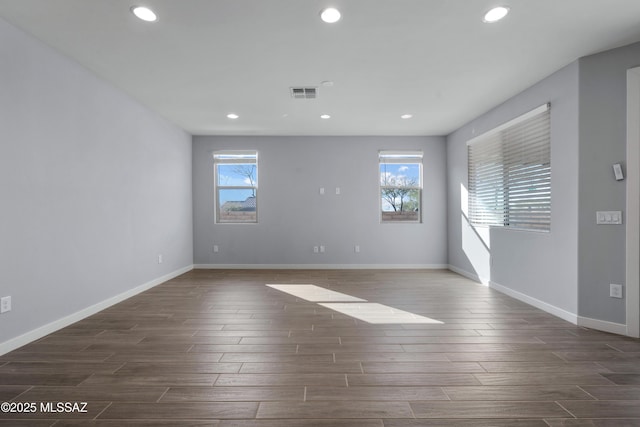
<point>144,13</point>
<point>406,116</point>
<point>232,116</point>
<point>325,116</point>
<point>496,14</point>
<point>330,15</point>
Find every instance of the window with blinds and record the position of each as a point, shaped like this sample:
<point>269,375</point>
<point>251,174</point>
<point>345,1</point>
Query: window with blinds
<point>510,174</point>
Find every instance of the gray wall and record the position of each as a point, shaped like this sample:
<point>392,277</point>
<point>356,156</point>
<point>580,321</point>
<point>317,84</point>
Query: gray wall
<point>294,217</point>
<point>603,85</point>
<point>543,266</point>
<point>92,188</point>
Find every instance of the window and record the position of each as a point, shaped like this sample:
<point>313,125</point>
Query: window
<point>400,186</point>
<point>236,186</point>
<point>510,174</point>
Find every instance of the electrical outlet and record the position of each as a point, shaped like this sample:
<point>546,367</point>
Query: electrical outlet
<point>315,249</point>
<point>216,249</point>
<point>321,249</point>
<point>5,304</point>
<point>159,258</point>
<point>356,248</point>
<point>615,291</point>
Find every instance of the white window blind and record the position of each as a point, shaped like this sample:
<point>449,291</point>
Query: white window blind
<point>510,174</point>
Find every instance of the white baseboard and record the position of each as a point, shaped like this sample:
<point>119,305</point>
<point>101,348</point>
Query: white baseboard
<point>42,331</point>
<point>467,274</point>
<point>602,325</point>
<point>551,309</point>
<point>320,266</point>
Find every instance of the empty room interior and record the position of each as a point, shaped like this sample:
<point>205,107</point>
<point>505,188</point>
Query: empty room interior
<point>349,213</point>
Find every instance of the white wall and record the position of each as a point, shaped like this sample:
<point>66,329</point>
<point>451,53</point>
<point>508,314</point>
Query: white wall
<point>294,217</point>
<point>92,188</point>
<point>541,268</point>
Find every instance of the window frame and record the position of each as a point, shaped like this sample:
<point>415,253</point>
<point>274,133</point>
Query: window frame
<point>511,164</point>
<point>409,157</point>
<point>233,157</point>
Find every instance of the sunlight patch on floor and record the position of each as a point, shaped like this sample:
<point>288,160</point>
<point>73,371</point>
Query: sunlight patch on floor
<point>378,313</point>
<point>315,293</point>
<point>358,308</point>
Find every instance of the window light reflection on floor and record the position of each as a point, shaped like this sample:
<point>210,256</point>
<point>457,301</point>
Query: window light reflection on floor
<point>315,293</point>
<point>352,306</point>
<point>378,313</point>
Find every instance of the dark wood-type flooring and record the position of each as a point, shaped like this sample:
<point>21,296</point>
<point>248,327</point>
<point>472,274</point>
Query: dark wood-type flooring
<point>219,348</point>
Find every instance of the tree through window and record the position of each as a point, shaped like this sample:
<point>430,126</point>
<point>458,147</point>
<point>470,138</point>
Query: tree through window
<point>400,186</point>
<point>236,182</point>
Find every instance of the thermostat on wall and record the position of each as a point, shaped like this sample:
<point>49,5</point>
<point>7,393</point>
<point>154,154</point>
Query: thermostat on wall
<point>617,171</point>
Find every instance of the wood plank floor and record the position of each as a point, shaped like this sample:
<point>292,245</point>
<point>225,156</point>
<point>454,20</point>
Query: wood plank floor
<point>220,348</point>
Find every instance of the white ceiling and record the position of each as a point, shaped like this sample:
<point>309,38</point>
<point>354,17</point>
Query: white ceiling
<point>435,59</point>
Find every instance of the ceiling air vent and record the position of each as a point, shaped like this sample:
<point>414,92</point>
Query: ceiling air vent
<point>304,92</point>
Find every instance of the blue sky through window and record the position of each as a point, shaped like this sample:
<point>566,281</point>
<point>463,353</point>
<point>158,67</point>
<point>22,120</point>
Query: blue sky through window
<point>400,174</point>
<point>236,175</point>
<point>400,188</point>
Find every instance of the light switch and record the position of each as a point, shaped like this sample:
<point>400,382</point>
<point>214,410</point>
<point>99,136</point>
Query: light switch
<point>609,217</point>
